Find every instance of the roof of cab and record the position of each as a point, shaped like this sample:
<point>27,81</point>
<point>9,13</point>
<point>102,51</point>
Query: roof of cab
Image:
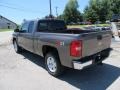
<point>43,20</point>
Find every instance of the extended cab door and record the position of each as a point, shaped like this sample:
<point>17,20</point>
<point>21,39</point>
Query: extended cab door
<point>25,38</point>
<point>42,27</point>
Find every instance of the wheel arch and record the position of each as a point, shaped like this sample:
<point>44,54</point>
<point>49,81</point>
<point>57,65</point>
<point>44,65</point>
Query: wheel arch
<point>46,49</point>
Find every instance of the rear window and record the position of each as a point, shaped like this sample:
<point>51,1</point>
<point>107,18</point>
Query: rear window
<point>42,26</point>
<point>57,25</point>
<point>51,25</point>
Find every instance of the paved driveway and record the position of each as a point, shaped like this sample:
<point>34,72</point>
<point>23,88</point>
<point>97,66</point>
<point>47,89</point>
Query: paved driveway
<point>5,37</point>
<point>27,71</point>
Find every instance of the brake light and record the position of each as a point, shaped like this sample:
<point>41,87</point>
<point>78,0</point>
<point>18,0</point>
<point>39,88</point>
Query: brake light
<point>76,48</point>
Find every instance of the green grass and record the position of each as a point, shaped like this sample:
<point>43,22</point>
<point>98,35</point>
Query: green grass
<point>81,26</point>
<point>5,30</point>
<point>103,24</point>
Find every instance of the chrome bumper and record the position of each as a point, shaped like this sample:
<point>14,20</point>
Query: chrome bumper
<point>80,66</point>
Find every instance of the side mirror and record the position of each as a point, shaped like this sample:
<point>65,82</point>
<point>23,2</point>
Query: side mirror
<point>16,30</point>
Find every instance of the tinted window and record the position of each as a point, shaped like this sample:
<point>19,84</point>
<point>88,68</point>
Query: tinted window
<point>31,27</point>
<point>57,25</point>
<point>51,25</point>
<point>42,26</point>
<point>25,27</point>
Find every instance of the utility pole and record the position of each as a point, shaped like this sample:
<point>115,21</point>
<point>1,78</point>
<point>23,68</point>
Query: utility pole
<point>50,8</point>
<point>56,11</point>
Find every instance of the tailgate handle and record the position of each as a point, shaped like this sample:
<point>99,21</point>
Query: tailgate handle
<point>99,37</point>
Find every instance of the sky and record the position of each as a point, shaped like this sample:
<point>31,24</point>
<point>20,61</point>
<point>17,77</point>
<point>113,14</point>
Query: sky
<point>17,10</point>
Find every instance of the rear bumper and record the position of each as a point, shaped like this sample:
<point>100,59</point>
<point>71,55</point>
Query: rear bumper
<point>91,60</point>
<point>79,65</point>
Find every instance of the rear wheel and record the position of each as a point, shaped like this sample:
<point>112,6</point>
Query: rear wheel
<point>99,59</point>
<point>16,47</point>
<point>53,64</point>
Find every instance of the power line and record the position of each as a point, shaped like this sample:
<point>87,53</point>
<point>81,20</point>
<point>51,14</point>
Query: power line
<point>19,9</point>
<point>10,4</point>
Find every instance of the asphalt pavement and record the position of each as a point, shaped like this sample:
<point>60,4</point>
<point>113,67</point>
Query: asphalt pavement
<point>26,71</point>
<point>5,37</point>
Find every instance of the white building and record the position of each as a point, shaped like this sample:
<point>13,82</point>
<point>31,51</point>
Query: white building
<point>6,23</point>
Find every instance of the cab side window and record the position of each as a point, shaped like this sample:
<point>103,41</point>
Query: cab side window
<point>24,27</point>
<point>31,27</point>
<point>42,26</point>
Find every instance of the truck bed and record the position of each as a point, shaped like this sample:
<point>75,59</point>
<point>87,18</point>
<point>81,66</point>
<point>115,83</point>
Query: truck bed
<point>71,31</point>
<point>93,41</point>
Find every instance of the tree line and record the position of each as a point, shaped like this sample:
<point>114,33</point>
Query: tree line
<point>97,10</point>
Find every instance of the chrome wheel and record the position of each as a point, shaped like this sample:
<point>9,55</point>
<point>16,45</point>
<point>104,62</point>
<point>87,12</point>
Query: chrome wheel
<point>51,64</point>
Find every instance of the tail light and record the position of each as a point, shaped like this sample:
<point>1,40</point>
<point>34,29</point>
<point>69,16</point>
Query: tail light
<point>76,48</point>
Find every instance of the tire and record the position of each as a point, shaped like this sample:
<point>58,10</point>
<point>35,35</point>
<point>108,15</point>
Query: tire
<point>100,63</point>
<point>53,64</point>
<point>16,47</point>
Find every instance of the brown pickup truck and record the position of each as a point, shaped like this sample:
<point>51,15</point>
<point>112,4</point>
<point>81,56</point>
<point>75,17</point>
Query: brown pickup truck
<point>62,47</point>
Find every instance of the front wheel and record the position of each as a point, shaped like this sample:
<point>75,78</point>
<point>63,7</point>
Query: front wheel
<point>53,64</point>
<point>16,47</point>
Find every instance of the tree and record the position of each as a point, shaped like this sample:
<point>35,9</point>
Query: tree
<point>60,17</point>
<point>104,10</point>
<point>101,10</point>
<point>71,12</point>
<point>91,11</point>
<point>115,6</point>
<point>90,15</point>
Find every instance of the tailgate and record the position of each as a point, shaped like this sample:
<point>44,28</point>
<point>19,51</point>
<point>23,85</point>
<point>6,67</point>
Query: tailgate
<point>96,42</point>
